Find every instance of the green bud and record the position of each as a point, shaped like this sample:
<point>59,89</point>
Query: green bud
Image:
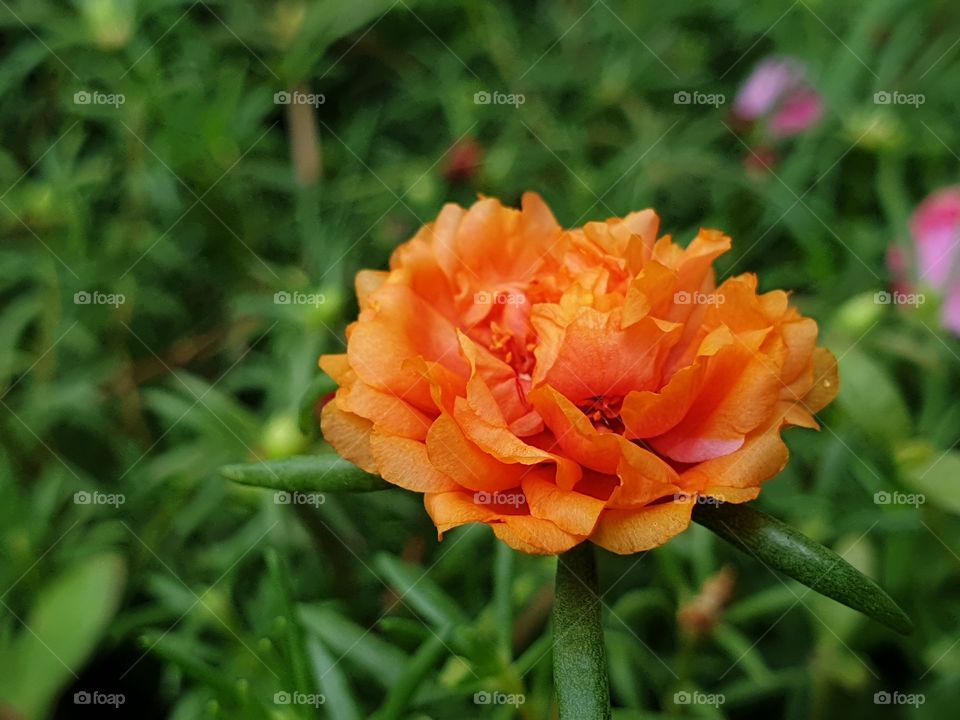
<point>858,314</point>
<point>282,437</point>
<point>110,22</point>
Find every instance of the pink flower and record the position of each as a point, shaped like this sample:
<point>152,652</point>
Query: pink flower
<point>935,227</point>
<point>778,92</point>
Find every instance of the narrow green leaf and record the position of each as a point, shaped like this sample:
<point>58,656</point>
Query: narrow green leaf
<point>293,635</point>
<point>404,630</point>
<point>325,23</point>
<point>579,655</point>
<point>534,655</point>
<point>358,646</point>
<point>69,616</point>
<point>783,548</point>
<point>305,473</point>
<point>420,666</point>
<point>742,650</point>
<point>339,700</point>
<point>750,690</point>
<point>774,600</point>
<point>183,653</point>
<point>645,605</point>
<point>625,682</point>
<point>420,592</point>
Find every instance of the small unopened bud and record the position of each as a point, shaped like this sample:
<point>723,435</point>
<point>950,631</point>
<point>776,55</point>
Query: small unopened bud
<point>110,22</point>
<point>462,161</point>
<point>699,616</point>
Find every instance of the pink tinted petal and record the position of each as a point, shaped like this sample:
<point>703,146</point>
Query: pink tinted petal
<point>935,255</point>
<point>800,111</point>
<point>766,86</point>
<point>950,312</point>
<point>941,209</point>
<point>935,227</point>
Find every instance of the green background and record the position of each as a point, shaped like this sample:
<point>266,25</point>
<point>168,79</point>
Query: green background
<point>196,200</point>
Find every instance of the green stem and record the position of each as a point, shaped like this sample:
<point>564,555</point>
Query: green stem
<point>579,656</point>
<point>503,600</point>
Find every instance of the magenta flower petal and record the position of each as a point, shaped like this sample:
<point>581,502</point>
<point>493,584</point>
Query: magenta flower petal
<point>936,233</point>
<point>778,91</point>
<point>799,111</point>
<point>768,83</point>
<point>950,310</point>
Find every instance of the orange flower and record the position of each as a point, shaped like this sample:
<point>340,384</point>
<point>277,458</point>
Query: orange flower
<point>563,385</point>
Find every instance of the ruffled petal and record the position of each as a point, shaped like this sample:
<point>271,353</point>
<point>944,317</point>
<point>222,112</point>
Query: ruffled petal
<point>741,390</point>
<point>522,532</point>
<point>453,454</point>
<point>397,327</point>
<point>631,531</point>
<point>826,381</point>
<point>386,411</point>
<point>762,456</point>
<point>349,435</point>
<point>648,414</point>
<point>569,510</point>
<point>534,535</point>
<point>405,463</point>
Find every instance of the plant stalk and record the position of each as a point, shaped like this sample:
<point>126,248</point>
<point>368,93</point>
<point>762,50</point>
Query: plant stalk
<point>579,654</point>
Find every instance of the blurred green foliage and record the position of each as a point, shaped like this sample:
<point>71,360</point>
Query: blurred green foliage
<point>129,566</point>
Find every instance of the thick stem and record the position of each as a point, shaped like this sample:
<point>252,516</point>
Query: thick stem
<point>579,655</point>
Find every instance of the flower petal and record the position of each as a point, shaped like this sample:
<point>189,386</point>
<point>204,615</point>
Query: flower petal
<point>569,510</point>
<point>534,535</point>
<point>400,326</point>
<point>405,463</point>
<point>453,454</point>
<point>349,435</point>
<point>762,456</point>
<point>631,531</point>
<point>521,532</point>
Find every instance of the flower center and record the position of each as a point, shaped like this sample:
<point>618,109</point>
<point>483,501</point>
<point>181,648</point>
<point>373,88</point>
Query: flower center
<point>604,413</point>
<point>515,351</point>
